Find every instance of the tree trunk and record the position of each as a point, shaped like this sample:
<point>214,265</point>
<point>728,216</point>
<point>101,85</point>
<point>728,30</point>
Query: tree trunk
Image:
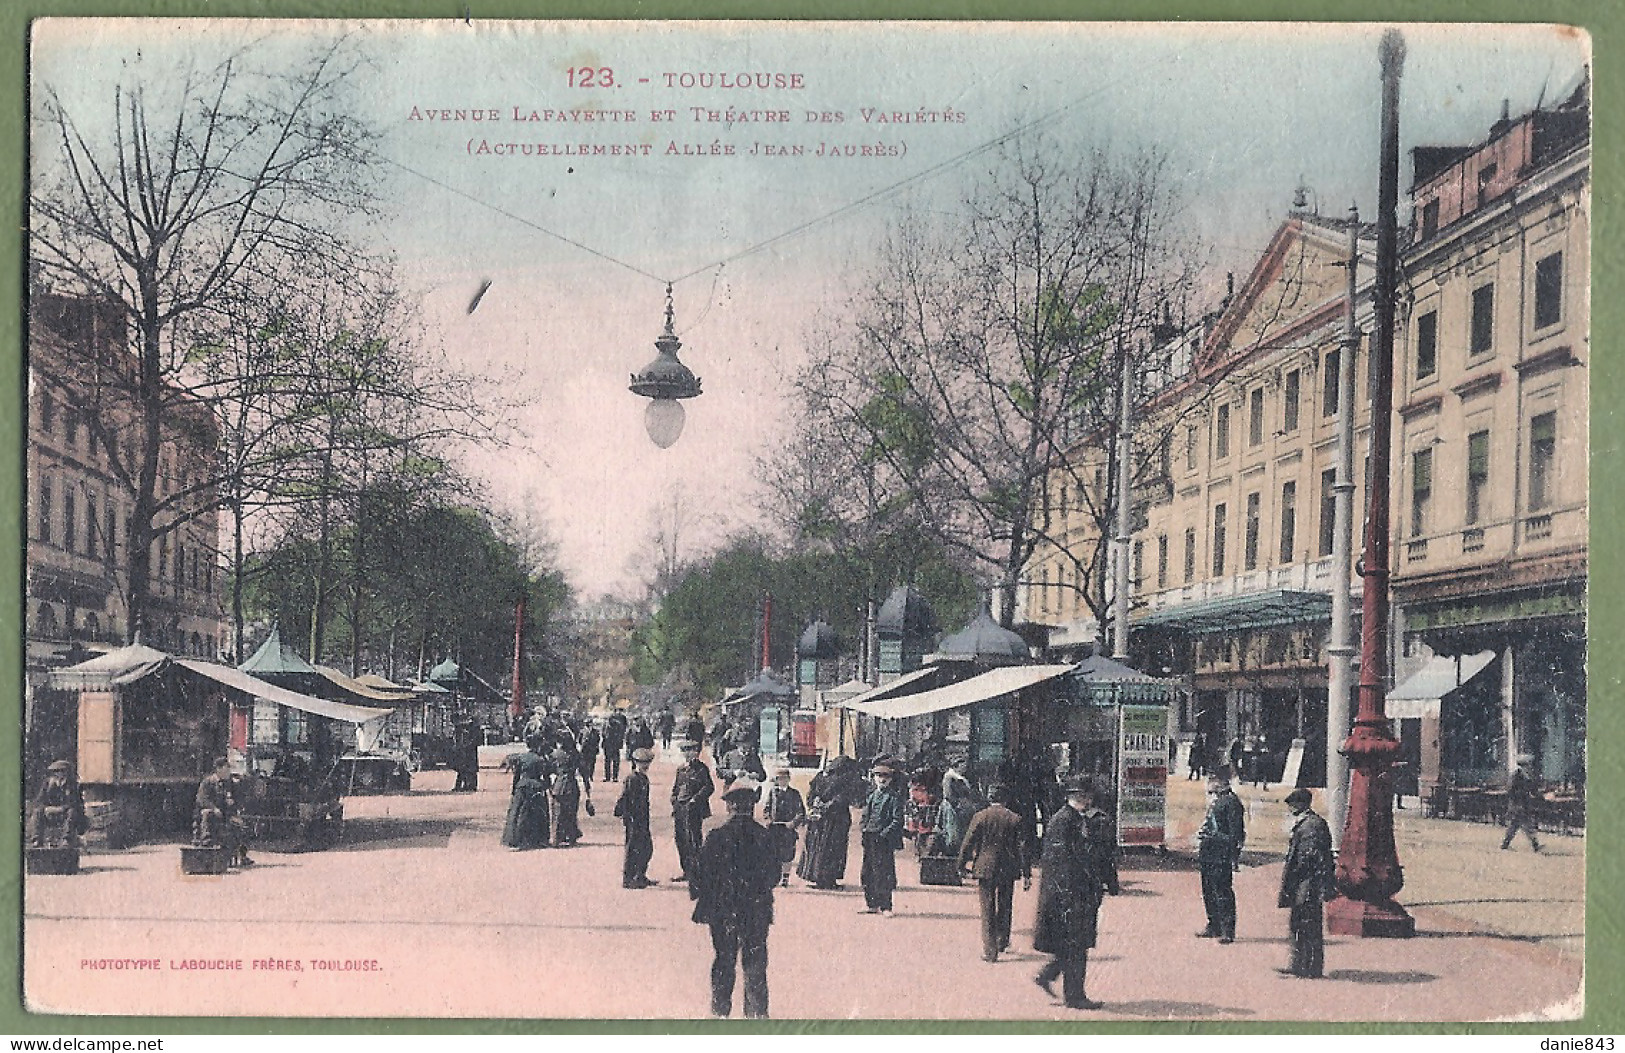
<point>239,619</point>
<point>142,528</point>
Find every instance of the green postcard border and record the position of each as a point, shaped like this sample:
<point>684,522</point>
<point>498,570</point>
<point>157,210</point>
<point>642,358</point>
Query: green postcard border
<point>1605,919</point>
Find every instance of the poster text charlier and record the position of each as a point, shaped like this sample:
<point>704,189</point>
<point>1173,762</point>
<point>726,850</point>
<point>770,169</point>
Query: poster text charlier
<point>742,80</point>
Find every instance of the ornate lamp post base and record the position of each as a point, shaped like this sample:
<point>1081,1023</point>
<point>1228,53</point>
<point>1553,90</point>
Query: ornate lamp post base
<point>1353,917</point>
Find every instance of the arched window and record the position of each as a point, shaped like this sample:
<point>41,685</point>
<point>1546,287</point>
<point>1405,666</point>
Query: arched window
<point>45,621</point>
<point>197,645</point>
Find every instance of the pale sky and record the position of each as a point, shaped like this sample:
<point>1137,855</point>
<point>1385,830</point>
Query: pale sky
<point>1243,111</point>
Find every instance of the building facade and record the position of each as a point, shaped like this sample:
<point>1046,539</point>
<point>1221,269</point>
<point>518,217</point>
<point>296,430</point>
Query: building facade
<point>81,448</point>
<point>1491,448</point>
<point>1232,530</point>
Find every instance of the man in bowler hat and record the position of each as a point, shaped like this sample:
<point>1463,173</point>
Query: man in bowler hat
<point>995,854</point>
<point>1307,881</point>
<point>1218,855</point>
<point>732,889</point>
<point>1069,896</point>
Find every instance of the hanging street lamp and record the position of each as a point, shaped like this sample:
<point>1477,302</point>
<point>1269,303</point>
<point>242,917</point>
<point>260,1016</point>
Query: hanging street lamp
<point>664,381</point>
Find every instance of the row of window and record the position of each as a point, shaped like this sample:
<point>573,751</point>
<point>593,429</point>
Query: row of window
<point>1542,475</point>
<point>99,536</point>
<point>73,429</point>
<point>1258,415</point>
<point>1481,324</point>
<point>1540,496</point>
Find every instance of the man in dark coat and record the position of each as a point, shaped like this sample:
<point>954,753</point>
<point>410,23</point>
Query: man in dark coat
<point>994,852</point>
<point>1521,793</point>
<point>639,737</point>
<point>1307,881</point>
<point>732,891</point>
<point>1069,898</point>
<point>614,739</point>
<point>668,724</point>
<point>691,792</point>
<point>882,830</point>
<point>1218,856</point>
<point>465,753</point>
<point>591,738</point>
<point>215,820</point>
<point>633,811</point>
<point>695,729</point>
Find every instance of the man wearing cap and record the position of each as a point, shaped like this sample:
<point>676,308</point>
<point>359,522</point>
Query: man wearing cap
<point>732,889</point>
<point>786,813</point>
<point>57,817</point>
<point>1069,896</point>
<point>1307,880</point>
<point>215,820</point>
<point>994,853</point>
<point>633,811</point>
<point>882,829</point>
<point>1218,855</point>
<point>691,792</point>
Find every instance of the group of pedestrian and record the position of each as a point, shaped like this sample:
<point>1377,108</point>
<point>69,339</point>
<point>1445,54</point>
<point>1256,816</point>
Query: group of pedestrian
<point>548,792</point>
<point>733,870</point>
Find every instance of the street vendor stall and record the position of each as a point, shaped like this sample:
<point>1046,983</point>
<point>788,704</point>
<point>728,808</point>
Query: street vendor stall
<point>1111,721</point>
<point>763,704</point>
<point>149,725</point>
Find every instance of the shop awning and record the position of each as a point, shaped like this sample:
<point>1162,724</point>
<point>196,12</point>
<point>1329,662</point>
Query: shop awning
<point>248,685</point>
<point>918,680</point>
<point>1422,691</point>
<point>991,684</point>
<point>113,669</point>
<point>394,697</point>
<point>1254,610</point>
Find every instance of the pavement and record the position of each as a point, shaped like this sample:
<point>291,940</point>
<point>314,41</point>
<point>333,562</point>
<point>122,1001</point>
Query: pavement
<point>422,913</point>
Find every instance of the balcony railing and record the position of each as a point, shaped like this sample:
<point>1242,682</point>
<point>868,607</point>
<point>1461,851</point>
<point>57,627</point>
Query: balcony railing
<point>1472,539</point>
<point>1416,551</point>
<point>1537,528</point>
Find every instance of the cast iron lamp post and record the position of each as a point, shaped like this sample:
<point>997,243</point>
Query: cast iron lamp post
<point>1368,870</point>
<point>664,381</point>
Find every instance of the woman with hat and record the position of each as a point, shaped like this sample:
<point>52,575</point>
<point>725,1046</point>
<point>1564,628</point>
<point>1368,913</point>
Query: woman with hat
<point>882,829</point>
<point>785,813</point>
<point>835,791</point>
<point>528,818</point>
<point>566,793</point>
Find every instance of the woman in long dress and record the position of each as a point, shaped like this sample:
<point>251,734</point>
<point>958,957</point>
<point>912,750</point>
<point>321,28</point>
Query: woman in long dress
<point>528,818</point>
<point>832,795</point>
<point>566,798</point>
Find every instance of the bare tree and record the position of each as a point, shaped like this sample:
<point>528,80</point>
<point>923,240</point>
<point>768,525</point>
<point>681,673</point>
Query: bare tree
<point>196,186</point>
<point>988,345</point>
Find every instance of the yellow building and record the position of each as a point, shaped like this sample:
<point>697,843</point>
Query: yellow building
<point>1491,450</point>
<point>1233,503</point>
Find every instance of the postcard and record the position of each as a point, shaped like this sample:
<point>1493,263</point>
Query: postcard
<point>806,520</point>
